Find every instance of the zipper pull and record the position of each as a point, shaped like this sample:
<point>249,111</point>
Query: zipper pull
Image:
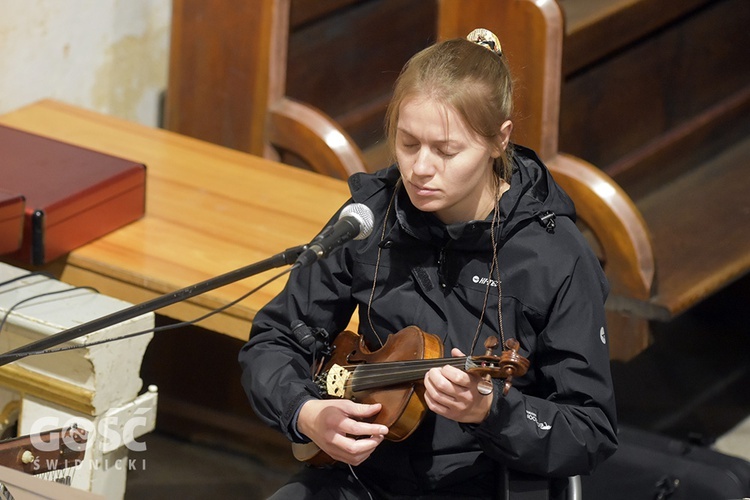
<point>547,220</point>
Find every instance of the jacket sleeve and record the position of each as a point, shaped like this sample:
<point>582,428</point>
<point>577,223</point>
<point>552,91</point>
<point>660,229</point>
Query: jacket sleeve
<point>276,368</point>
<point>568,425</point>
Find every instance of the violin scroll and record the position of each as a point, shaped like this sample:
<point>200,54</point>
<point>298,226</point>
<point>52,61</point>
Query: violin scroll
<point>484,387</point>
<point>506,366</point>
<point>512,363</point>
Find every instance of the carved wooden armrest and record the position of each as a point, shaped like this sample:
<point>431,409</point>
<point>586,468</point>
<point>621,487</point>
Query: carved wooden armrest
<point>313,136</point>
<point>615,222</point>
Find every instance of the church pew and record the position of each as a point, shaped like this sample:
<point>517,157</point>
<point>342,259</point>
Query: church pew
<point>657,95</point>
<point>635,106</point>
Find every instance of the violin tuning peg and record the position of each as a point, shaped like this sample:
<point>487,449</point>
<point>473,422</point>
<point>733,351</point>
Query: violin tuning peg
<point>507,385</point>
<point>484,386</point>
<point>491,344</point>
<point>512,344</point>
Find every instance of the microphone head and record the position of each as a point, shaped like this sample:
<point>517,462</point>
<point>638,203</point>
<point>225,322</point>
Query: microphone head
<point>363,215</point>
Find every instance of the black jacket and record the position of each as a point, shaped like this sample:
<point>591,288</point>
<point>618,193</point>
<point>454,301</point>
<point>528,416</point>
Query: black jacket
<point>558,420</point>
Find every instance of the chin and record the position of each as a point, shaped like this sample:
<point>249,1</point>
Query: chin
<point>423,204</point>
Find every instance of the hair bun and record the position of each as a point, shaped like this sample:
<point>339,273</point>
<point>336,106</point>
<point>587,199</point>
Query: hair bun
<point>486,39</point>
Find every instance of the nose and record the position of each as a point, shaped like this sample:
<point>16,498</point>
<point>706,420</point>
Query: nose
<point>424,162</point>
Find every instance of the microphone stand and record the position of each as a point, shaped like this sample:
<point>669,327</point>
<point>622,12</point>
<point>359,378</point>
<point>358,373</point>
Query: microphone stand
<point>287,257</point>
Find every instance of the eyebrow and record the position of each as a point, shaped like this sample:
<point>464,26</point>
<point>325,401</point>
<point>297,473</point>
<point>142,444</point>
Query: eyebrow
<point>443,142</point>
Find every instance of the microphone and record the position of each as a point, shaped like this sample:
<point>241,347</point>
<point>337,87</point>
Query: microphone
<point>315,338</point>
<point>303,334</point>
<point>355,223</point>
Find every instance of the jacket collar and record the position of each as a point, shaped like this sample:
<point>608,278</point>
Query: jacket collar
<point>532,193</point>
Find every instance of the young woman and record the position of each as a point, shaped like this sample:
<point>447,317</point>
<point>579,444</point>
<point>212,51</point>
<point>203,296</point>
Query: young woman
<point>472,239</point>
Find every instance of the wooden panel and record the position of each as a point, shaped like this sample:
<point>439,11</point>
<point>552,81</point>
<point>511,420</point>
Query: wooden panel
<point>221,49</point>
<point>306,11</point>
<point>231,61</point>
<point>625,102</point>
<point>346,62</point>
<point>696,141</point>
<point>528,31</point>
<point>595,29</point>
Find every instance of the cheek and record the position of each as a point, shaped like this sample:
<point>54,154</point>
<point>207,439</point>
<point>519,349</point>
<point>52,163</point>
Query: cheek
<point>404,162</point>
<point>400,158</point>
<point>467,175</point>
<point>469,182</point>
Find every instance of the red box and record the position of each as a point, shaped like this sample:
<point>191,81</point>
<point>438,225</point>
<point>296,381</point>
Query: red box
<point>11,221</point>
<point>73,194</point>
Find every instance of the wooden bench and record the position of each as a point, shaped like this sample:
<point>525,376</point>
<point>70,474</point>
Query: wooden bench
<point>645,90</point>
<point>676,134</point>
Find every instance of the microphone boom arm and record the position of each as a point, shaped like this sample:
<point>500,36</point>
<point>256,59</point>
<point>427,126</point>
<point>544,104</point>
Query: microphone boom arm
<point>287,257</point>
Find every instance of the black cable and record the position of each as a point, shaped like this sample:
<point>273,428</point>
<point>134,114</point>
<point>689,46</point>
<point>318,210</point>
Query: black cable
<point>27,275</point>
<point>34,297</point>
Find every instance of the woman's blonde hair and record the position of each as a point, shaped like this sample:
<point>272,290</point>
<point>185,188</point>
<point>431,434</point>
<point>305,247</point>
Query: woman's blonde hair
<point>466,76</point>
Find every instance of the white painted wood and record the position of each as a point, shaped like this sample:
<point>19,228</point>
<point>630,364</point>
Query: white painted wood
<point>97,387</point>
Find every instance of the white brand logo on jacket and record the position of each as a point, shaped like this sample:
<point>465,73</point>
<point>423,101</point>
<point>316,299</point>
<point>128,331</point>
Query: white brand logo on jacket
<point>603,336</point>
<point>542,425</point>
<point>484,281</point>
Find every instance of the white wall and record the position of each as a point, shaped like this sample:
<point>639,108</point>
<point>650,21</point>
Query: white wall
<point>110,56</point>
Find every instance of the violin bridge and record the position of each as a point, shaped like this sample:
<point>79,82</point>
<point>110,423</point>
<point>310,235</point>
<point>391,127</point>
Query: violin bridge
<point>336,381</point>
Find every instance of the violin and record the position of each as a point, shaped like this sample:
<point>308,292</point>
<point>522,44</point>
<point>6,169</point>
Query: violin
<point>392,376</point>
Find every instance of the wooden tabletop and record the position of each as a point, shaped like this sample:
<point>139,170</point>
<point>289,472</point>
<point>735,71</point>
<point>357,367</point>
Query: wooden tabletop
<point>209,210</point>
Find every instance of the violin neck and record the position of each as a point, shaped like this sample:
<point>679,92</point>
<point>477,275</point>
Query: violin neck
<point>373,376</point>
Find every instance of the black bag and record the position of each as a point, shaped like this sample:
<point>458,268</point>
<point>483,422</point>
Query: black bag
<point>652,466</point>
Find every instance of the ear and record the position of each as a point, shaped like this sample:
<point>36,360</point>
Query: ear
<point>503,138</point>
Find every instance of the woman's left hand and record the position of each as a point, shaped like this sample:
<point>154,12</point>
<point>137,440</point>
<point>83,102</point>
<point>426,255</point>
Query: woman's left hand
<point>453,393</point>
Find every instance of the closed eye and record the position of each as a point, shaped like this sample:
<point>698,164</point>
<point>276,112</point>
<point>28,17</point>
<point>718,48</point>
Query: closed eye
<point>409,146</point>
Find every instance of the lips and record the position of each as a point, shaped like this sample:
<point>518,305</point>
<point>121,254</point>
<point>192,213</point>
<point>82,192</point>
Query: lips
<point>423,190</point>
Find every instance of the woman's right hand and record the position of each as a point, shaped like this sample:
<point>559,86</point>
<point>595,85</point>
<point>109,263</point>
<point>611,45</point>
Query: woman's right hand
<point>336,426</point>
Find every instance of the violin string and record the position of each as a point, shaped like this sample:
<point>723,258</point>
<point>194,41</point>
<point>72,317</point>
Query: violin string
<point>365,375</point>
<point>389,366</point>
<point>371,376</point>
<point>395,372</point>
